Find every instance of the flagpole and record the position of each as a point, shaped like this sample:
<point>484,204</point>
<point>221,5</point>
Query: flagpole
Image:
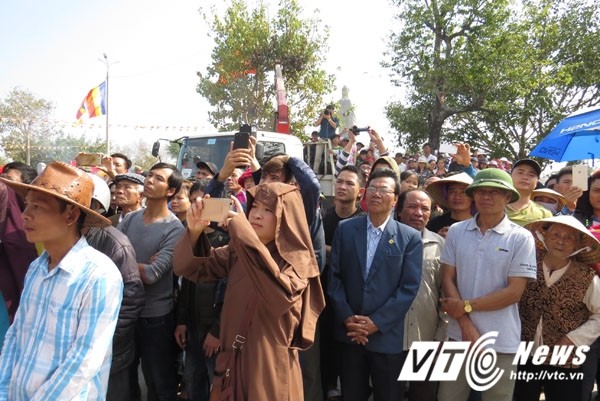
<point>107,138</point>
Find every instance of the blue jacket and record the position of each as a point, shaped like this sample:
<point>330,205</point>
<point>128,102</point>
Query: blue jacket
<point>386,294</point>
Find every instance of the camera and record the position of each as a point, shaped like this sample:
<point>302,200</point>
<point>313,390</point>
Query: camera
<point>327,112</point>
<point>356,130</point>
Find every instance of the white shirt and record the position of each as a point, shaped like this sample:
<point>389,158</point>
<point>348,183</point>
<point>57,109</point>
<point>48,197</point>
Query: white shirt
<point>483,263</point>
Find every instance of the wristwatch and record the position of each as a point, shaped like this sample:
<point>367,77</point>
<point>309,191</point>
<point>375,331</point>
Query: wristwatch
<point>468,308</point>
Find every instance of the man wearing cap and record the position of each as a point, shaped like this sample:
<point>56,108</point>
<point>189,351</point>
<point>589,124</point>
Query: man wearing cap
<point>129,194</point>
<point>565,282</point>
<point>206,170</point>
<point>525,175</point>
<point>114,244</point>
<point>59,346</point>
<point>486,263</point>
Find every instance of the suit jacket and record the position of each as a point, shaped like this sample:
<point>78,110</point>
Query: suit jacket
<point>386,294</point>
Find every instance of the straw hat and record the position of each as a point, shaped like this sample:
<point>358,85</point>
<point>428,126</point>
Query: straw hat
<point>588,240</point>
<point>67,183</point>
<point>438,190</point>
<point>550,193</point>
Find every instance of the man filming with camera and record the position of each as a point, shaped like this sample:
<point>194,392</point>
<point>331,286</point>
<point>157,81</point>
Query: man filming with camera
<point>328,123</point>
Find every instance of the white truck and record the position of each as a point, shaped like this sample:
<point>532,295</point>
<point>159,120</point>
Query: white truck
<point>214,147</point>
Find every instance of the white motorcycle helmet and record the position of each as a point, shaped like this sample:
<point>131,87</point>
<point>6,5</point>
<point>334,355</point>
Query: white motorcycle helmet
<point>101,193</point>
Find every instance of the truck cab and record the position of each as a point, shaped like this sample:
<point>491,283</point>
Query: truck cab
<point>214,147</point>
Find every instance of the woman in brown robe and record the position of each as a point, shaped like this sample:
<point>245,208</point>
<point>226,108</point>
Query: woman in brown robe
<point>269,263</point>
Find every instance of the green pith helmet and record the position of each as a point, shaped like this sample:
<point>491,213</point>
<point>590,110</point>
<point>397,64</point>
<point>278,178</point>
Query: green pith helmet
<point>493,178</point>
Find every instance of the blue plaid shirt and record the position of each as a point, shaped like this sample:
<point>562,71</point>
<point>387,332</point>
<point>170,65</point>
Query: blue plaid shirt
<point>60,344</point>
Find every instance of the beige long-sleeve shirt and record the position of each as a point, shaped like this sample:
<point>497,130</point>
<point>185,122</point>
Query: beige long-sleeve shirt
<point>425,321</point>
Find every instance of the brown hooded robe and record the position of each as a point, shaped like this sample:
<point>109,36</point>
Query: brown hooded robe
<point>285,277</point>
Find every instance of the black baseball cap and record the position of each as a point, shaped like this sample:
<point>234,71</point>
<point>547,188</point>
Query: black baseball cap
<point>530,162</point>
<point>210,166</point>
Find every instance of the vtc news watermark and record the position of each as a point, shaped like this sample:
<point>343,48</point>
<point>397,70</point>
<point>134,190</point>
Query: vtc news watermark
<point>442,361</point>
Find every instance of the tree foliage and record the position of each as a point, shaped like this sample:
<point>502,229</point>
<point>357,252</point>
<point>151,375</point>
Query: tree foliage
<point>498,75</point>
<point>29,135</point>
<point>239,83</point>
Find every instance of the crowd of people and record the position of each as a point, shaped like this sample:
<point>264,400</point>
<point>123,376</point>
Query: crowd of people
<point>108,269</point>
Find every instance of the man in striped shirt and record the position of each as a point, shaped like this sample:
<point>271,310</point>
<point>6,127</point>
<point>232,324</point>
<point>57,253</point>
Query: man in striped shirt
<point>59,346</point>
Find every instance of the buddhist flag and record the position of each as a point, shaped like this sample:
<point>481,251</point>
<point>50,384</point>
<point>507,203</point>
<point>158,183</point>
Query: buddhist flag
<point>94,104</point>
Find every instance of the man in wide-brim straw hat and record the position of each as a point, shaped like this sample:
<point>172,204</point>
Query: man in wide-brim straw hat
<point>562,307</point>
<point>59,346</point>
<point>450,193</point>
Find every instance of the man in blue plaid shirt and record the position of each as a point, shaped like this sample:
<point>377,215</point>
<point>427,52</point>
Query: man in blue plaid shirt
<point>59,346</point>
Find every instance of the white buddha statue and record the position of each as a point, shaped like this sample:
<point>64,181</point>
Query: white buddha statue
<point>346,114</point>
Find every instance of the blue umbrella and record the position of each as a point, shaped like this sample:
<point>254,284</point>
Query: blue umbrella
<point>577,137</point>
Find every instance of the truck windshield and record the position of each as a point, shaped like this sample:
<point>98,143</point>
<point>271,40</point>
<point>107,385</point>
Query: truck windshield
<point>214,149</point>
<point>210,149</point>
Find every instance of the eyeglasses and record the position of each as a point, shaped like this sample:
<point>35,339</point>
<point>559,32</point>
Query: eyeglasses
<point>382,191</point>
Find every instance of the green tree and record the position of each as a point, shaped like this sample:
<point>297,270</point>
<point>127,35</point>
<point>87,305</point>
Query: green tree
<point>24,123</point>
<point>28,134</point>
<point>556,74</point>
<point>498,75</point>
<point>239,82</point>
<point>447,53</point>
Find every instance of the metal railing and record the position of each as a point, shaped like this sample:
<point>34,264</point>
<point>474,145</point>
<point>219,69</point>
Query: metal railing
<point>318,155</point>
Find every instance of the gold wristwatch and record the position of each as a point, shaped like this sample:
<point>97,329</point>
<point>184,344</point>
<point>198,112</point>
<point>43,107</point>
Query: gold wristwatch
<point>468,308</point>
